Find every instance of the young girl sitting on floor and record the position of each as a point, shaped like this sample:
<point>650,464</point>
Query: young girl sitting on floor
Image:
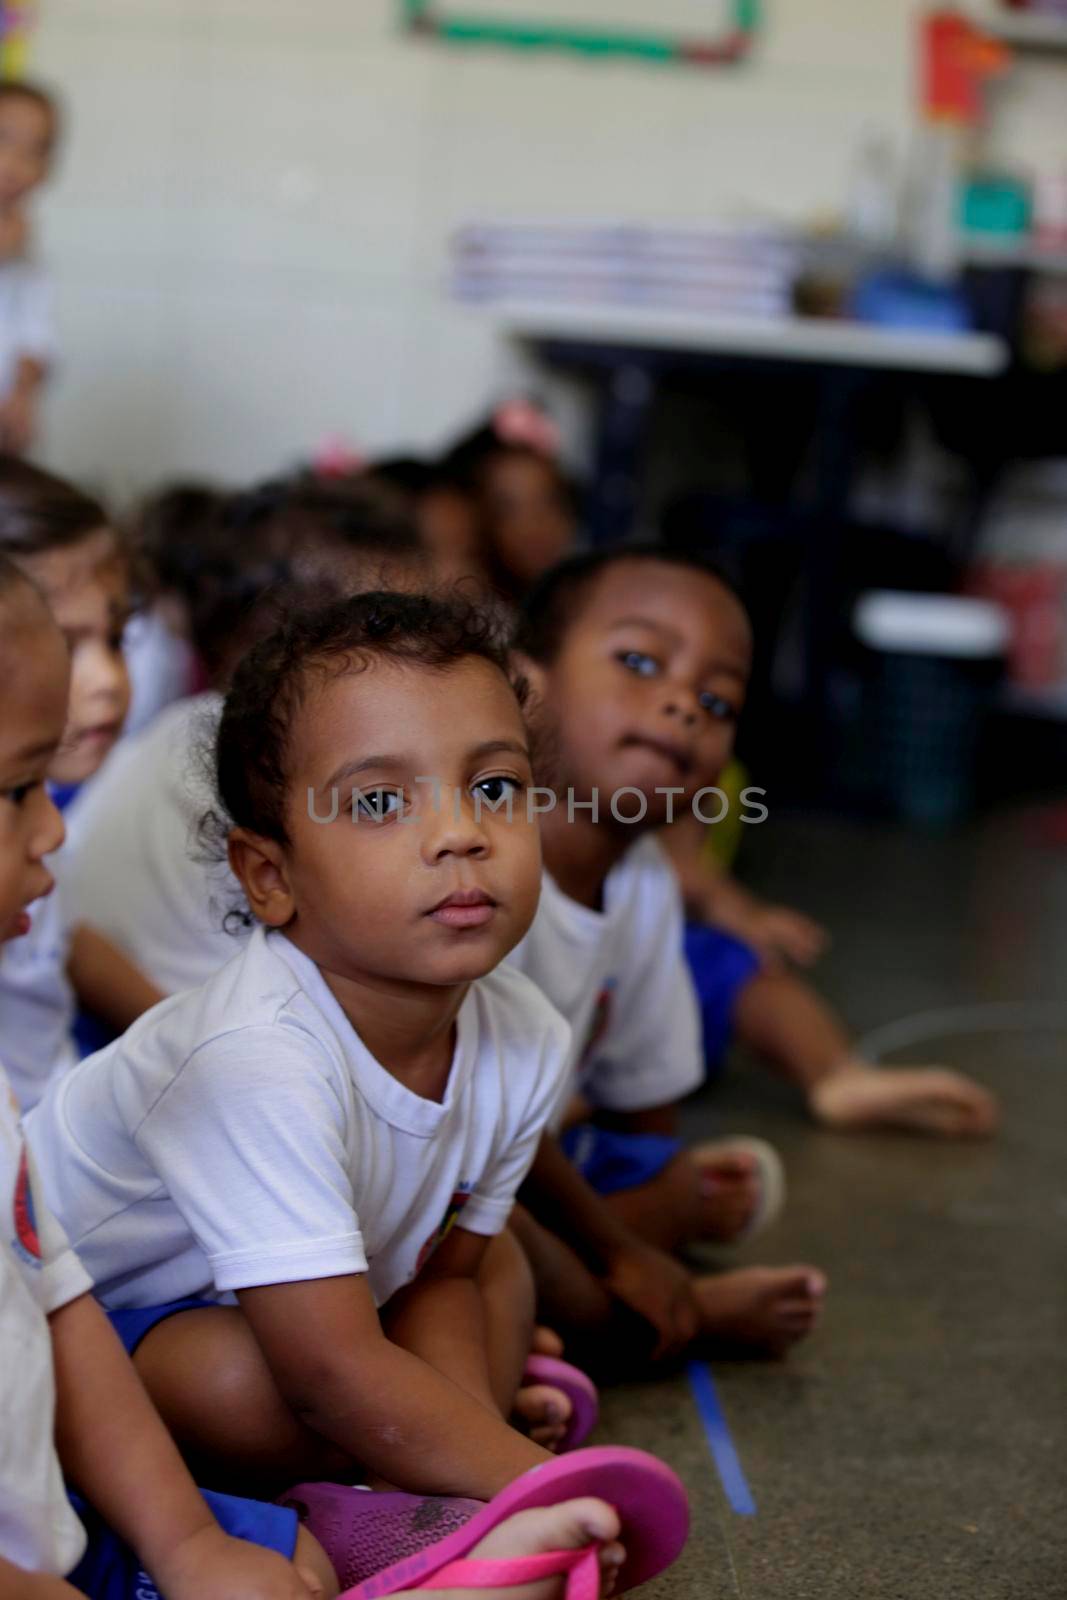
<point>288,1183</point>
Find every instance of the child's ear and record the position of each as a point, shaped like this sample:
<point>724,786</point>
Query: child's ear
<point>533,672</point>
<point>259,866</point>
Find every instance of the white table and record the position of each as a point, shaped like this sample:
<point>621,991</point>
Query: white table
<point>822,341</point>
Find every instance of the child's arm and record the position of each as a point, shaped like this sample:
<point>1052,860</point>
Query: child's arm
<point>115,1449</point>
<point>106,981</point>
<point>18,409</point>
<point>792,1026</point>
<point>712,895</point>
<point>642,1277</point>
<point>441,1317</point>
<point>18,1584</point>
<point>384,1406</point>
<point>683,840</point>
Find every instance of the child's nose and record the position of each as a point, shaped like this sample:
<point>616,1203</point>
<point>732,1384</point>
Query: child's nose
<point>454,830</point>
<point>682,704</point>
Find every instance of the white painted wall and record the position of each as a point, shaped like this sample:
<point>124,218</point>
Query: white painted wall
<point>248,229</point>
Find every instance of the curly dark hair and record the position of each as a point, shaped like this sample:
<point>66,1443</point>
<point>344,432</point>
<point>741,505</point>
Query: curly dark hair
<point>270,685</point>
<point>242,561</point>
<point>551,608</point>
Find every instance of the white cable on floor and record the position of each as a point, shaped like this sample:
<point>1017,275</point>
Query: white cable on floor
<point>1007,1016</point>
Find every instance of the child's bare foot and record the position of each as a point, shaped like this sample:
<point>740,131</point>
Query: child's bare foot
<point>740,1186</point>
<point>764,1309</point>
<point>542,1412</point>
<point>546,1342</point>
<point>930,1100</point>
<point>569,1526</point>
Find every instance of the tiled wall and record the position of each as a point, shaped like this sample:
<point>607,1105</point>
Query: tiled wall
<point>248,229</point>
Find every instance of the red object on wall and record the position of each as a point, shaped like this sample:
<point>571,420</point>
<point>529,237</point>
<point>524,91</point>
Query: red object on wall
<point>956,58</point>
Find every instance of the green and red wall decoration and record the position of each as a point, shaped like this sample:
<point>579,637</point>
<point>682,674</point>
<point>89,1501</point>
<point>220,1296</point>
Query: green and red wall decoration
<point>436,19</point>
<point>17,18</point>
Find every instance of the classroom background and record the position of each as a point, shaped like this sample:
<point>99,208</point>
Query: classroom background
<point>791,281</point>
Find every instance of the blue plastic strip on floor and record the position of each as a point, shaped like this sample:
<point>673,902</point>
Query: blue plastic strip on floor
<point>734,1483</point>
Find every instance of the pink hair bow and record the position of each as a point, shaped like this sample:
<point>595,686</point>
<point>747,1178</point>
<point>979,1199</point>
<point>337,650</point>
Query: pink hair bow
<point>520,422</point>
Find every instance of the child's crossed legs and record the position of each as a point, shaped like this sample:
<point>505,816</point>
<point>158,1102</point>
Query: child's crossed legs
<point>210,1379</point>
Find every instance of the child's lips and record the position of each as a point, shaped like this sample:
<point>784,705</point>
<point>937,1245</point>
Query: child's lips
<point>676,755</point>
<point>103,733</point>
<point>467,908</point>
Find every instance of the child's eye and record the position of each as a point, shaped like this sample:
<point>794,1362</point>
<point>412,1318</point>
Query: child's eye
<point>645,666</point>
<point>495,789</point>
<point>20,793</point>
<point>377,805</point>
<point>717,707</point>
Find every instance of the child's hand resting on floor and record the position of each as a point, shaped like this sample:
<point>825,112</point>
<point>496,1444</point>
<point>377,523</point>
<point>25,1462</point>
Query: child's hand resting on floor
<point>931,1100</point>
<point>780,935</point>
<point>659,1289</point>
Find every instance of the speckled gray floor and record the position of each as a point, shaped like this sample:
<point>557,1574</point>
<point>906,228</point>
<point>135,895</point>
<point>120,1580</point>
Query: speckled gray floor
<point>916,1446</point>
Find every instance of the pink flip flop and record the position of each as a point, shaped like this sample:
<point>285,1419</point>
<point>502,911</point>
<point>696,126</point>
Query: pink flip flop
<point>651,1502</point>
<point>363,1531</point>
<point>580,1391</point>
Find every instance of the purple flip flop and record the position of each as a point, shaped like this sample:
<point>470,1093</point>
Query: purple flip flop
<point>362,1531</point>
<point>580,1391</point>
<point>649,1498</point>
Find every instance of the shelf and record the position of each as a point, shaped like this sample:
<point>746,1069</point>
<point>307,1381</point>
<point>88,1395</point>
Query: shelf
<point>788,338</point>
<point>1025,31</point>
<point>1032,257</point>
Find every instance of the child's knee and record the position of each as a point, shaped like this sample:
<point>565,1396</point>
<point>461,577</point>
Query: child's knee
<point>506,1271</point>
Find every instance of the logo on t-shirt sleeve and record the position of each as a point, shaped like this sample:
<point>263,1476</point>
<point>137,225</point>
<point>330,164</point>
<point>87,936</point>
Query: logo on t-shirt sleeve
<point>444,1228</point>
<point>26,1243</point>
<point>600,1020</point>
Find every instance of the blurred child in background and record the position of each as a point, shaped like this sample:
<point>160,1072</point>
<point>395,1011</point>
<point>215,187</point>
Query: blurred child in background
<point>61,539</point>
<point>29,127</point>
<point>170,542</point>
<point>138,872</point>
<point>525,506</point>
<point>443,512</point>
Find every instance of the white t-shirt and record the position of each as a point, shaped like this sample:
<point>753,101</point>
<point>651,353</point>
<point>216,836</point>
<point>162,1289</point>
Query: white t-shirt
<point>620,979</point>
<point>136,870</point>
<point>161,667</point>
<point>39,1273</point>
<point>37,1003</point>
<point>241,1134</point>
<point>26,327</point>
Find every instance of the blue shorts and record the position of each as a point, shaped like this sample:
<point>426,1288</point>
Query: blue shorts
<point>131,1326</point>
<point>720,966</point>
<point>109,1570</point>
<point>610,1161</point>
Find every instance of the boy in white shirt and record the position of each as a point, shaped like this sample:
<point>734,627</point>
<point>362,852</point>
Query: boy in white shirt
<point>289,1184</point>
<point>641,659</point>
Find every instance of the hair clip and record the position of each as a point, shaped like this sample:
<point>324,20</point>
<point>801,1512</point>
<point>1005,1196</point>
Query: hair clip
<point>337,458</point>
<point>520,422</point>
